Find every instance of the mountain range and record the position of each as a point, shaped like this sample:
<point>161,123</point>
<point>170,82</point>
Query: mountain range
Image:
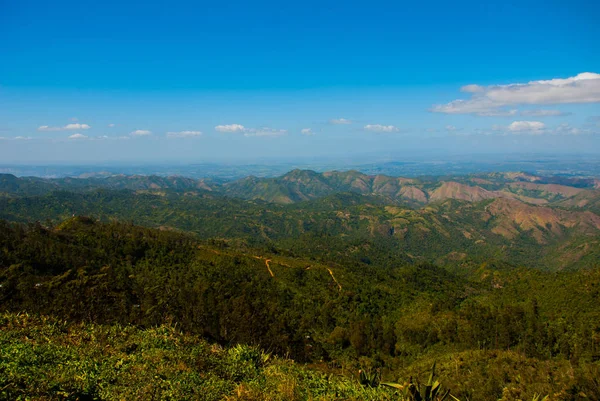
<point>302,185</point>
<point>546,222</point>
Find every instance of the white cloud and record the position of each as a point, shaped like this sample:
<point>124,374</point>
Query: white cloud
<point>264,132</point>
<point>46,128</point>
<point>381,128</point>
<point>230,128</point>
<point>340,121</point>
<point>76,126</point>
<point>111,125</point>
<point>517,126</point>
<point>68,127</point>
<point>535,128</point>
<point>542,113</point>
<point>582,88</point>
<point>472,88</point>
<point>140,132</point>
<point>307,131</point>
<point>237,128</point>
<point>479,107</point>
<point>451,128</point>
<point>22,138</point>
<point>78,136</point>
<point>184,134</point>
<point>490,100</point>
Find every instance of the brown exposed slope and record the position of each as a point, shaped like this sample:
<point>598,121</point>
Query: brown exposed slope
<point>456,190</point>
<point>301,185</point>
<point>547,188</point>
<point>510,217</point>
<point>587,200</point>
<point>413,193</point>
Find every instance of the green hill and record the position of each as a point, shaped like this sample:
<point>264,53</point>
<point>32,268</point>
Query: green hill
<point>303,185</point>
<point>364,227</point>
<point>338,317</point>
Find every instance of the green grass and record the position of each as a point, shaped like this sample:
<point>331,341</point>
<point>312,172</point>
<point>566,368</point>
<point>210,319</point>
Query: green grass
<point>46,359</point>
<point>42,358</point>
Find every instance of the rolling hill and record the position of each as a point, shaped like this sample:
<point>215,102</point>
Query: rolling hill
<point>303,185</point>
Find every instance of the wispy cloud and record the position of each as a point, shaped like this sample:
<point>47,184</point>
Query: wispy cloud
<point>493,100</point>
<point>340,121</point>
<point>498,113</point>
<point>307,131</point>
<point>537,128</point>
<point>68,127</point>
<point>111,125</point>
<point>230,128</point>
<point>543,113</point>
<point>381,128</point>
<point>140,132</point>
<point>78,136</point>
<point>240,129</point>
<point>566,129</point>
<point>265,131</point>
<point>184,134</point>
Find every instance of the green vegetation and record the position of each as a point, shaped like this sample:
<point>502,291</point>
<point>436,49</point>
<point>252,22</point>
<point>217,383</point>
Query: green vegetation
<point>46,359</point>
<point>366,227</point>
<point>343,316</point>
<point>180,293</point>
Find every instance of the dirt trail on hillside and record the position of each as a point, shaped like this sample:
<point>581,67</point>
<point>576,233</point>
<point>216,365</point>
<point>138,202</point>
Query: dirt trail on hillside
<point>209,250</point>
<point>334,280</point>
<point>268,265</point>
<point>267,261</point>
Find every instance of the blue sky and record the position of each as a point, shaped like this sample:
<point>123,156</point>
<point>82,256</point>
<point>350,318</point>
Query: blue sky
<point>84,81</point>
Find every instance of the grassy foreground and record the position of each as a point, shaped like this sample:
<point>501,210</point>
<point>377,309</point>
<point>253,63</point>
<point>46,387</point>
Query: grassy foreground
<point>45,359</point>
<point>42,358</point>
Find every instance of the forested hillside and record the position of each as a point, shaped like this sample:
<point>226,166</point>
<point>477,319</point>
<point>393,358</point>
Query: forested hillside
<point>501,292</point>
<point>347,314</point>
<point>366,228</point>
